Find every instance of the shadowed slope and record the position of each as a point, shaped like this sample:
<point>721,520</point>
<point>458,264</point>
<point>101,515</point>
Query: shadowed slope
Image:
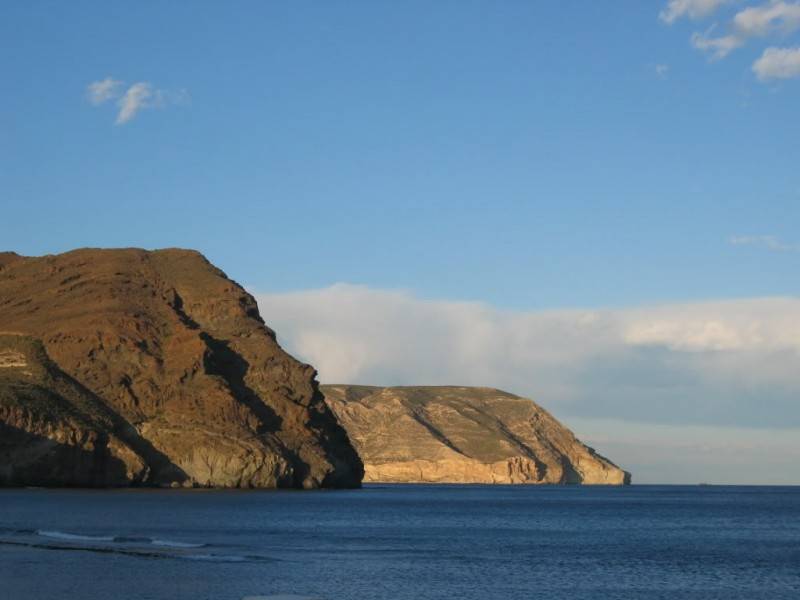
<point>53,431</point>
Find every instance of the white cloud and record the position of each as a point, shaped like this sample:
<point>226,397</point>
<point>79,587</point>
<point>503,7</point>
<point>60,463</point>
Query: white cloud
<point>662,71</point>
<point>718,47</point>
<point>694,9</point>
<point>778,63</point>
<point>139,96</point>
<point>101,91</point>
<point>734,326</point>
<point>768,18</point>
<point>772,18</point>
<point>770,242</point>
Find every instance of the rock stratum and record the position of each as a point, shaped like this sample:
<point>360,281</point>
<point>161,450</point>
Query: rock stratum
<point>463,435</point>
<point>130,367</point>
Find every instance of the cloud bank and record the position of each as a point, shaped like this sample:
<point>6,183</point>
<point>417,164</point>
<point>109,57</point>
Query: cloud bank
<point>718,363</point>
<point>138,96</point>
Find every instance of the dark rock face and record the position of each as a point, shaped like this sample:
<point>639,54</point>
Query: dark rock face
<point>165,374</point>
<point>454,434</point>
<point>55,432</point>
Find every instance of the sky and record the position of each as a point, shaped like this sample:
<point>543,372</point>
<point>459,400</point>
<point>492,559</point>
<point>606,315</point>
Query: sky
<point>596,205</point>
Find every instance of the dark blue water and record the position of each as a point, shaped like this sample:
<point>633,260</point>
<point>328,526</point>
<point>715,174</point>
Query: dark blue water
<point>403,543</point>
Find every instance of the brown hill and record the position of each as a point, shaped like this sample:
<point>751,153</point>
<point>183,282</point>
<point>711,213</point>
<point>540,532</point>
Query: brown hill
<point>155,368</point>
<point>462,435</point>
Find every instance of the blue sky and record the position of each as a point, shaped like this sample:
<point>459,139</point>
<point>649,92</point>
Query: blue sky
<point>596,204</point>
<point>526,154</point>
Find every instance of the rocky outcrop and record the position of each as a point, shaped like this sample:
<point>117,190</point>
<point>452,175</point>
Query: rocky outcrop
<point>463,435</point>
<point>124,367</point>
<point>53,431</point>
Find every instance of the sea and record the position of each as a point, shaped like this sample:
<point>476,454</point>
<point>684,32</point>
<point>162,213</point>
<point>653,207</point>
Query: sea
<point>402,542</point>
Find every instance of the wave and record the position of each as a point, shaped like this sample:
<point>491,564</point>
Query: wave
<point>73,537</point>
<point>129,545</point>
<point>139,552</point>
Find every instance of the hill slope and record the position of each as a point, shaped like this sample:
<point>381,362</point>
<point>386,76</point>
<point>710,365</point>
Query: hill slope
<point>462,435</point>
<point>175,355</point>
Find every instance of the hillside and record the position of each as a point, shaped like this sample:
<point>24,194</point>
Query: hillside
<point>463,435</point>
<point>159,356</point>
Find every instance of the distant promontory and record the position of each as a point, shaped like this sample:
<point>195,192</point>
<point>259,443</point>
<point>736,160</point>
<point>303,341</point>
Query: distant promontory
<point>463,435</point>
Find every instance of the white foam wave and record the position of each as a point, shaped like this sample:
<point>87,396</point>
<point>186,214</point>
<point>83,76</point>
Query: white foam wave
<point>74,537</point>
<point>60,535</point>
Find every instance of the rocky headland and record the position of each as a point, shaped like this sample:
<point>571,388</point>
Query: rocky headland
<point>463,435</point>
<point>131,367</point>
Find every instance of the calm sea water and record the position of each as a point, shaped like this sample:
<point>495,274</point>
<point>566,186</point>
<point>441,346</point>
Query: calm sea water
<point>403,543</point>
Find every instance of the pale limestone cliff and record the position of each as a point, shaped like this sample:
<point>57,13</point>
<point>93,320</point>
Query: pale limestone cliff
<point>463,435</point>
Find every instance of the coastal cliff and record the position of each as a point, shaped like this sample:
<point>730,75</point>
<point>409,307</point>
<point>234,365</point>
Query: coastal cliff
<point>130,367</point>
<point>463,435</point>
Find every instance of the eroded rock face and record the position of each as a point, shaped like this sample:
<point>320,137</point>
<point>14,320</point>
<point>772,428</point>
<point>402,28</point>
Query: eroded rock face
<point>194,384</point>
<point>55,432</point>
<point>463,435</point>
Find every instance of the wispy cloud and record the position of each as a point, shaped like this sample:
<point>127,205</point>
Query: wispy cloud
<point>717,47</point>
<point>773,17</point>
<point>137,97</point>
<point>662,71</point>
<point>778,63</point>
<point>770,242</point>
<point>764,20</point>
<point>694,9</point>
<point>101,91</point>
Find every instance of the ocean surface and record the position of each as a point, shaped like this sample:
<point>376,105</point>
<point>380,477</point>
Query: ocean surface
<point>402,543</point>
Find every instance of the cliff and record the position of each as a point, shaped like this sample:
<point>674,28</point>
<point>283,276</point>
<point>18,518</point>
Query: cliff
<point>125,367</point>
<point>463,435</point>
